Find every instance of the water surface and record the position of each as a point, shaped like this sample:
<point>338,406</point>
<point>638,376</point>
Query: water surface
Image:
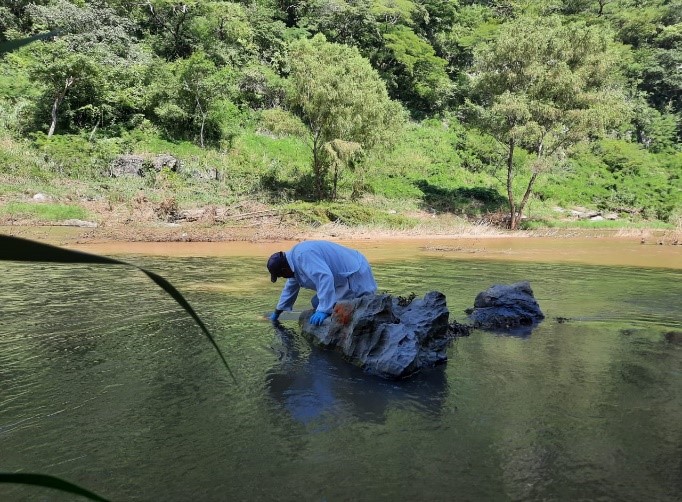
<point>104,381</point>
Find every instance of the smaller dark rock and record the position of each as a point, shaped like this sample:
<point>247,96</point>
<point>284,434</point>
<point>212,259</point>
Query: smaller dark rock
<point>506,307</point>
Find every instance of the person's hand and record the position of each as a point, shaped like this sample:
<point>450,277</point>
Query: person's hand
<point>274,317</point>
<point>317,318</point>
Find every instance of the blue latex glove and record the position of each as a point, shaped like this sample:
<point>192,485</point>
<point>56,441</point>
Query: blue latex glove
<point>274,317</point>
<point>317,318</point>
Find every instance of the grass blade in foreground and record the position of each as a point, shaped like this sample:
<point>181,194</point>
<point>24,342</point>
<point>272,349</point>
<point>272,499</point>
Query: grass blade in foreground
<point>18,249</point>
<point>48,482</point>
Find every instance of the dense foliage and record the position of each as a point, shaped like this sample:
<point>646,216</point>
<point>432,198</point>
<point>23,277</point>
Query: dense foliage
<point>465,106</point>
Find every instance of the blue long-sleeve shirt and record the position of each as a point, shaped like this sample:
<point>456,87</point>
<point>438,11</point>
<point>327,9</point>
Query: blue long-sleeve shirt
<point>335,272</point>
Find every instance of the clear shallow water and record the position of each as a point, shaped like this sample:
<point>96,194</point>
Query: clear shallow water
<point>105,382</point>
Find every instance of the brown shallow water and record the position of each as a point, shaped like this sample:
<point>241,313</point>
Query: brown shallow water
<point>586,250</point>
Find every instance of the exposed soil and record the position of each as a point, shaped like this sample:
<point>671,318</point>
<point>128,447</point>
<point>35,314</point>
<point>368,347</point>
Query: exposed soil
<point>141,220</point>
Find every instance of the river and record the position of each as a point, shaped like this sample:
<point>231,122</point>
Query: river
<point>106,382</point>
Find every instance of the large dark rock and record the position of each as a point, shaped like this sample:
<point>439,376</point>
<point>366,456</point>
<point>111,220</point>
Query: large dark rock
<point>506,307</point>
<point>386,336</point>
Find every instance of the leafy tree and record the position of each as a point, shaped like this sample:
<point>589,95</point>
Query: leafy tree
<point>222,30</point>
<point>472,26</point>
<point>352,23</point>
<point>92,69</point>
<point>338,96</point>
<point>203,88</point>
<point>341,155</point>
<point>269,35</point>
<point>62,72</point>
<point>656,131</point>
<point>261,88</point>
<point>654,31</point>
<point>395,36</point>
<point>418,75</point>
<point>544,87</point>
<point>168,22</point>
<point>88,28</point>
<point>191,98</point>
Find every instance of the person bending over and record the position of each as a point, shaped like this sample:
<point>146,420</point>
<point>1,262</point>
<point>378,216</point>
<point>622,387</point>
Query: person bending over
<point>333,271</point>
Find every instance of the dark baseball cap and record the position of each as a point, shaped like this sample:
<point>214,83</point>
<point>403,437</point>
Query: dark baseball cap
<point>276,264</point>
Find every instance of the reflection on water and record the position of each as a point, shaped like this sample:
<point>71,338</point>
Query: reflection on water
<point>104,381</point>
<point>321,390</point>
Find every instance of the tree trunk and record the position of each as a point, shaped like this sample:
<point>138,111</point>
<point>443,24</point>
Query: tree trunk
<point>55,105</point>
<point>317,170</point>
<point>53,124</point>
<point>92,133</point>
<point>510,179</point>
<point>522,205</point>
<point>203,120</point>
<point>336,180</point>
<point>201,133</point>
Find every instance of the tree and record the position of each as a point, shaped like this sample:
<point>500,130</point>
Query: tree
<point>202,88</point>
<point>544,87</point>
<point>342,154</point>
<point>87,69</point>
<point>191,99</point>
<point>418,75</point>
<point>222,30</point>
<point>62,71</point>
<point>338,96</point>
<point>168,22</point>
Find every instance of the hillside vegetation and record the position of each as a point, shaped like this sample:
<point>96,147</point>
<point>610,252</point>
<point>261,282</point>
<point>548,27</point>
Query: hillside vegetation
<point>369,112</point>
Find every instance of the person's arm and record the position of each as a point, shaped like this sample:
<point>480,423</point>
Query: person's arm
<point>320,273</point>
<point>289,295</point>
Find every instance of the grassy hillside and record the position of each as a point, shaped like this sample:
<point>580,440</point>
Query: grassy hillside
<point>355,112</point>
<point>432,168</point>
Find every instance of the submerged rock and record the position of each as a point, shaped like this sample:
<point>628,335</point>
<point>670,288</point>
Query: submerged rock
<point>506,307</point>
<point>386,336</point>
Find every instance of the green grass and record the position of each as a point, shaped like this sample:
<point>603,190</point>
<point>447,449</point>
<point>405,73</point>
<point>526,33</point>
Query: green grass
<point>349,214</point>
<point>44,211</point>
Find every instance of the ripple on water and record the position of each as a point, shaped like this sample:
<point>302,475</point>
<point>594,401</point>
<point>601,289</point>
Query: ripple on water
<point>105,381</point>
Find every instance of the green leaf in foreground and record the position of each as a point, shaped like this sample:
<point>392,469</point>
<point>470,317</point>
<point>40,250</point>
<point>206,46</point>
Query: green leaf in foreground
<point>48,482</point>
<point>18,249</point>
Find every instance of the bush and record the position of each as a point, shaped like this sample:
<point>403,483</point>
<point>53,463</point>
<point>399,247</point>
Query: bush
<point>75,156</point>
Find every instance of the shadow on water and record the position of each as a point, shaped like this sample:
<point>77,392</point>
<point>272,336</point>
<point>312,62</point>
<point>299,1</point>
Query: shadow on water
<point>321,390</point>
<point>521,331</point>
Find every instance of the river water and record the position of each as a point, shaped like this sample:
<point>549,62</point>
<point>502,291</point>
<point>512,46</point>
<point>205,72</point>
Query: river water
<point>105,382</point>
